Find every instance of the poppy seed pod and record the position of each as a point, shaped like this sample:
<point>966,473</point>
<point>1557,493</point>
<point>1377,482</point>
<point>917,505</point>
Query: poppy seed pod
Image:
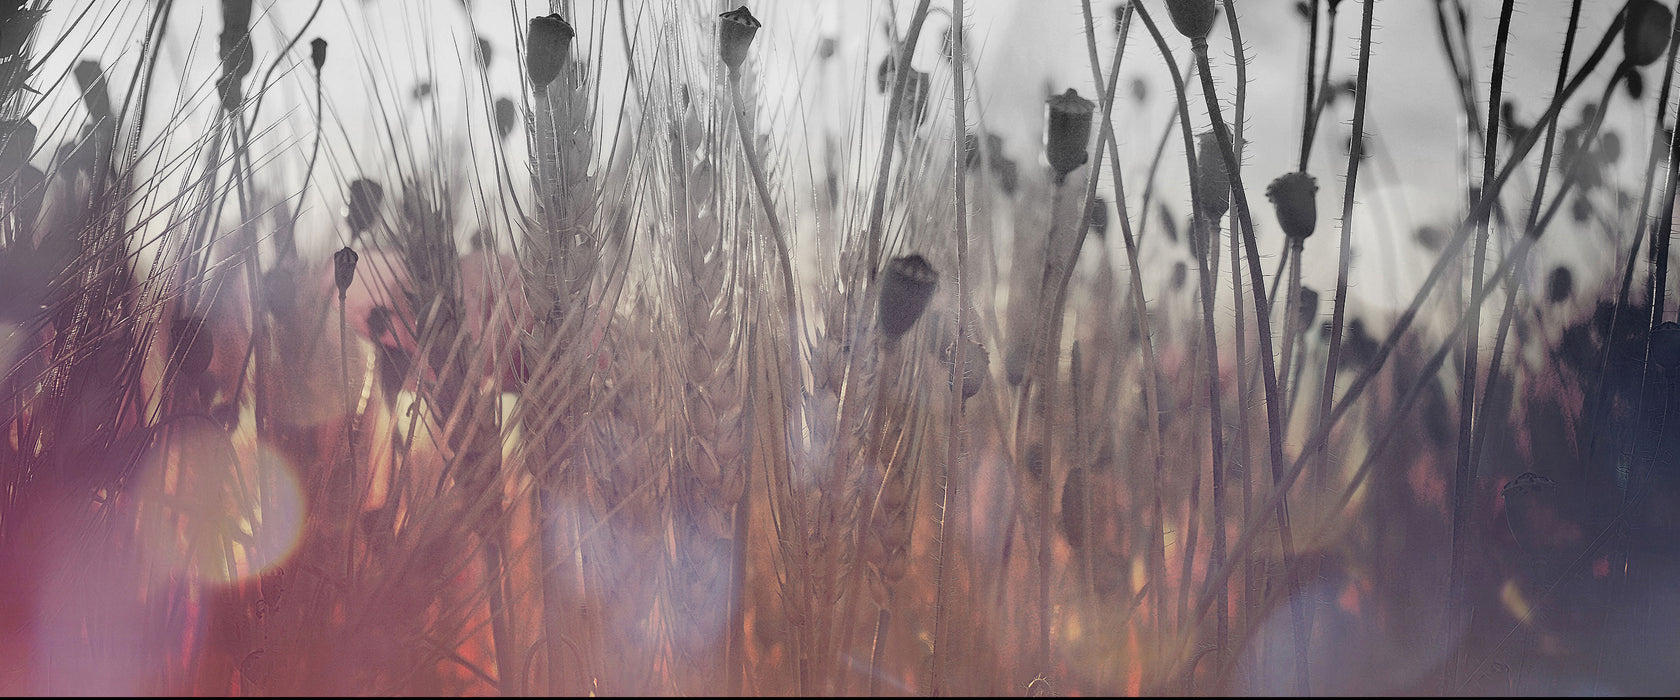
<point>1294,197</point>
<point>1193,18</point>
<point>976,365</point>
<point>318,53</point>
<point>1645,36</point>
<point>735,35</point>
<point>194,345</point>
<point>506,114</point>
<point>1560,285</point>
<point>1212,180</point>
<point>1306,309</point>
<point>365,198</point>
<point>907,284</point>
<point>1665,345</point>
<point>548,45</point>
<point>1067,131</point>
<point>344,269</point>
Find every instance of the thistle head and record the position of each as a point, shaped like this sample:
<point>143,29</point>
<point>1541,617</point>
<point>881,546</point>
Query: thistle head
<point>1294,197</point>
<point>736,29</point>
<point>1067,131</point>
<point>548,46</point>
<point>907,283</point>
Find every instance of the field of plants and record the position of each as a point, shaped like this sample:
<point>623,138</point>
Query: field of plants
<point>509,347</point>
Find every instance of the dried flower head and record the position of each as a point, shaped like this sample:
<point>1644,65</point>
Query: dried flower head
<point>1213,182</point>
<point>1067,131</point>
<point>318,53</point>
<point>507,114</point>
<point>548,46</point>
<point>1193,18</point>
<point>1560,285</point>
<point>1645,36</point>
<point>1294,196</point>
<point>365,198</point>
<point>736,30</point>
<point>344,269</point>
<point>976,365</point>
<point>1306,309</point>
<point>907,284</point>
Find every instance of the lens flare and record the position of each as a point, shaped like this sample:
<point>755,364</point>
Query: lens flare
<point>225,514</point>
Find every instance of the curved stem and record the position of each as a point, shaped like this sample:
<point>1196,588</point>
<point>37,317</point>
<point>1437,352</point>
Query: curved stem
<point>1404,322</point>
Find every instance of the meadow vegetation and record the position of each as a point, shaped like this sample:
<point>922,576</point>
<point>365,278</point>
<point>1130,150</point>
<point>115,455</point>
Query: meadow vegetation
<point>623,389</point>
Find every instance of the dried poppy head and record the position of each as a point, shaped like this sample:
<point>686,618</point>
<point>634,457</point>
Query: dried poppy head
<point>1193,18</point>
<point>1560,285</point>
<point>318,53</point>
<point>976,365</point>
<point>907,284</point>
<point>1306,309</point>
<point>507,114</point>
<point>736,30</point>
<point>344,269</point>
<point>1213,182</point>
<point>1067,131</point>
<point>1645,36</point>
<point>365,198</point>
<point>1294,197</point>
<point>548,45</point>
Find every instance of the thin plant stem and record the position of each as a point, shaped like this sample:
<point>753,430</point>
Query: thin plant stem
<point>1244,219</point>
<point>939,646</point>
<point>1404,322</point>
<point>1308,110</point>
<point>1465,474</point>
<point>895,105</point>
